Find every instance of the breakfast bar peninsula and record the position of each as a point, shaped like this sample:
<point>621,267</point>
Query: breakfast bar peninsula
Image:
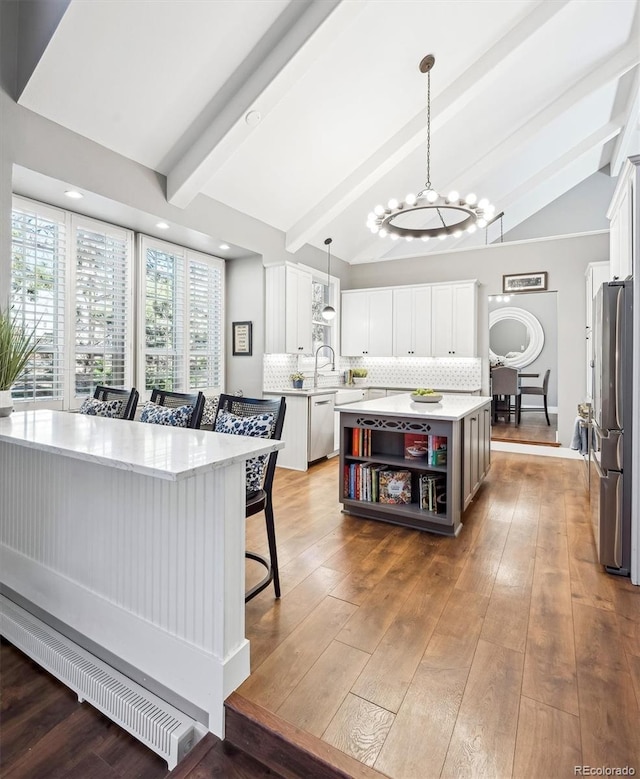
<point>414,463</point>
<point>122,565</point>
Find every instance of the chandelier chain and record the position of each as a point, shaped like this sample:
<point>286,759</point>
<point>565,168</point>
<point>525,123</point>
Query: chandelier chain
<point>428,182</point>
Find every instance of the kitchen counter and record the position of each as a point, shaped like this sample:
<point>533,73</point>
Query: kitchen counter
<point>451,407</point>
<point>129,538</point>
<point>153,450</point>
<point>305,392</point>
<point>414,464</point>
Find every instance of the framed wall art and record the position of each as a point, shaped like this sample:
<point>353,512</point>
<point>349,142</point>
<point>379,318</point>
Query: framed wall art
<point>525,282</point>
<point>242,339</point>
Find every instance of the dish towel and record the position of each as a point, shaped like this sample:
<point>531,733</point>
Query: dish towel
<point>580,440</point>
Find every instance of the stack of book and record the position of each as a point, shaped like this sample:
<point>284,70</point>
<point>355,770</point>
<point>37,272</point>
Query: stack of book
<point>433,493</point>
<point>376,483</point>
<point>361,442</point>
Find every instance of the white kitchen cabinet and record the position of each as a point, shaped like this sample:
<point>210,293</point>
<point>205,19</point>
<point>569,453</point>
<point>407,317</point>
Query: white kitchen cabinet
<point>367,322</point>
<point>288,310</point>
<point>620,214</point>
<point>454,319</point>
<point>412,321</point>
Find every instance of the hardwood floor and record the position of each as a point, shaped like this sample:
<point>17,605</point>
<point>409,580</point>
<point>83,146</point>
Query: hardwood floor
<point>505,652</point>
<point>533,429</point>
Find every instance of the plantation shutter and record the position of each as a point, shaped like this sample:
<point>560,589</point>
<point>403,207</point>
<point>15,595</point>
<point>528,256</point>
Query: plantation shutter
<point>206,310</point>
<point>103,306</point>
<point>38,250</point>
<point>164,315</point>
<point>183,318</point>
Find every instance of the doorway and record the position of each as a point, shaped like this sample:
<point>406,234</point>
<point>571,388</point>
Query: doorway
<point>523,333</point>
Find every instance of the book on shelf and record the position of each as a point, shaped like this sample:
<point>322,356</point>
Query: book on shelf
<point>394,486</point>
<point>415,446</point>
<point>361,442</point>
<point>438,450</point>
<point>433,492</point>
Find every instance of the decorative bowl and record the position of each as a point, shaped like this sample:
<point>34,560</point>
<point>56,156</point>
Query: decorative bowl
<point>434,398</point>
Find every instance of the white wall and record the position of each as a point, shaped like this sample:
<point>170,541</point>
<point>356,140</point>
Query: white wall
<point>245,303</point>
<point>564,259</point>
<point>582,209</point>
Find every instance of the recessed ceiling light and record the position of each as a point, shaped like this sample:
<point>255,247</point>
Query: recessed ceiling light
<point>74,194</point>
<point>224,246</point>
<point>162,226</point>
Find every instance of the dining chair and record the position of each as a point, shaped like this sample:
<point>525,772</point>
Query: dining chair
<point>543,390</point>
<point>262,418</point>
<point>504,385</point>
<point>105,400</point>
<point>174,400</point>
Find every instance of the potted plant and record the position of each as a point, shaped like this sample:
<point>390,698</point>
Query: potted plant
<point>297,378</point>
<point>359,375</point>
<point>16,346</point>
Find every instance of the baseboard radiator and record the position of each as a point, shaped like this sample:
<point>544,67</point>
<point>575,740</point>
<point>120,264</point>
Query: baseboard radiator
<point>155,723</point>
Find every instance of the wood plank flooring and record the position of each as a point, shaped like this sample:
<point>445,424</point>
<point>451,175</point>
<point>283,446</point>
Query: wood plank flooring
<point>505,652</point>
<point>533,429</point>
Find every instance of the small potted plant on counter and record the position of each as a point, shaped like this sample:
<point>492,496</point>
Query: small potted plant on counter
<point>297,378</point>
<point>359,375</point>
<point>16,346</point>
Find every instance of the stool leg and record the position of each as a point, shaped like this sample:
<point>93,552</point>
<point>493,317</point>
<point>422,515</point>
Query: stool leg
<point>546,410</point>
<point>271,537</point>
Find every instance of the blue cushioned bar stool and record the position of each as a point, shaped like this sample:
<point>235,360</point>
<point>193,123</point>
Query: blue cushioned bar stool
<point>264,419</point>
<point>175,400</point>
<point>111,402</point>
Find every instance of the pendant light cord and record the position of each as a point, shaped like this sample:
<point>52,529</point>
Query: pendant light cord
<point>428,182</point>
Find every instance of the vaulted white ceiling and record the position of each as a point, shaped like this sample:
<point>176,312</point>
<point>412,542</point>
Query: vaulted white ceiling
<point>305,115</point>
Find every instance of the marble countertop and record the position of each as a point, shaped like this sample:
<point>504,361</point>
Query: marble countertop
<point>450,408</point>
<point>305,392</point>
<point>153,450</point>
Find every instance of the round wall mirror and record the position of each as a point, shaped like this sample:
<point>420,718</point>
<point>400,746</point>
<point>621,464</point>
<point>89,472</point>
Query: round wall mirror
<point>516,337</point>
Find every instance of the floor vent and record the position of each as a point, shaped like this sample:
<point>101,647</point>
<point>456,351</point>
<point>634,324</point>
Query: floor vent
<point>160,726</point>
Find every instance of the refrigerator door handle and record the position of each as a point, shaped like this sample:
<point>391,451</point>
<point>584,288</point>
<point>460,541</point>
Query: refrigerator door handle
<point>619,323</point>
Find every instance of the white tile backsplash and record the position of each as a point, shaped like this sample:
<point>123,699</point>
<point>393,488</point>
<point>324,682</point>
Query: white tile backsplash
<point>456,373</point>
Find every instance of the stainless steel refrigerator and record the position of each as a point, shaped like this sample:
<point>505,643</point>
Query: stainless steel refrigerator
<point>613,341</point>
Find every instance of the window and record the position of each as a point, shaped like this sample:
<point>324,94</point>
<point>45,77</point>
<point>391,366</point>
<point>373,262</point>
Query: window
<point>38,265</point>
<point>181,325</point>
<point>321,329</point>
<point>103,305</point>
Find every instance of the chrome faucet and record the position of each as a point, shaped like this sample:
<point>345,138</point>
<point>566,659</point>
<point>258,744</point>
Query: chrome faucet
<point>332,361</point>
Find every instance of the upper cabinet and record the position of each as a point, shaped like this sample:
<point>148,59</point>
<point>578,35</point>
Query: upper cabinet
<point>454,319</point>
<point>620,214</point>
<point>367,321</point>
<point>412,322</point>
<point>288,312</point>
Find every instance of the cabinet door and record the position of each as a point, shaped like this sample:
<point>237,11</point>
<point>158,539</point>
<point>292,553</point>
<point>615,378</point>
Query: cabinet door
<point>475,451</point>
<point>298,311</point>
<point>464,322</point>
<point>486,439</point>
<point>355,324</point>
<point>380,317</point>
<point>422,322</point>
<point>403,322</point>
<point>442,320</point>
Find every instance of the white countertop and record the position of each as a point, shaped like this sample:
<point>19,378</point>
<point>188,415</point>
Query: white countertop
<point>305,392</point>
<point>450,408</point>
<point>153,450</point>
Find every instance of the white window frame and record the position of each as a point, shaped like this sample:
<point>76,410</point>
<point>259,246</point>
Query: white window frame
<point>77,221</point>
<point>146,242</point>
<point>306,362</point>
<point>70,222</point>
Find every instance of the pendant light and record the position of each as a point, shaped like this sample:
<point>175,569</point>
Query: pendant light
<point>448,215</point>
<point>328,312</point>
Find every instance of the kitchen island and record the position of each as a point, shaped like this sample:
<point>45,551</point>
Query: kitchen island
<point>122,565</point>
<point>414,464</point>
